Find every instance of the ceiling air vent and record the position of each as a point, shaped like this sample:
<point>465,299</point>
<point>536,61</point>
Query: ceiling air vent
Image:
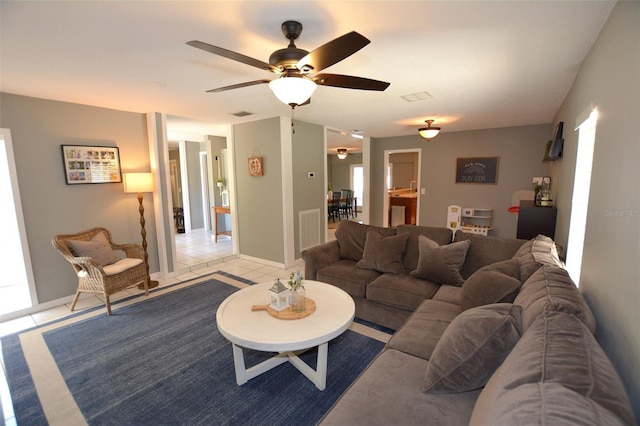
<point>420,96</point>
<point>242,113</point>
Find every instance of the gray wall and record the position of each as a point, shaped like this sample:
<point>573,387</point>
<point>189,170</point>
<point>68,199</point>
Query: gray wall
<point>520,150</point>
<point>610,279</point>
<point>341,170</point>
<point>38,128</point>
<point>308,156</point>
<point>259,198</point>
<point>195,183</point>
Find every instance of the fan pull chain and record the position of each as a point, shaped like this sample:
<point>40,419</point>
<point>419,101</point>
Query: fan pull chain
<point>293,129</point>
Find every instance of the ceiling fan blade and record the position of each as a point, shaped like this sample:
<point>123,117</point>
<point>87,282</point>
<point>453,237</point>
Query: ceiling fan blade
<point>333,52</point>
<point>235,56</point>
<point>238,86</point>
<point>350,82</point>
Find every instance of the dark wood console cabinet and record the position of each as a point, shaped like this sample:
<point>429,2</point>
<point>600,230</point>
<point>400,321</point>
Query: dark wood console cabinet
<point>533,220</point>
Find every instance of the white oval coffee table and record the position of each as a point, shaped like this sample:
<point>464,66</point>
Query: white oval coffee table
<point>260,331</point>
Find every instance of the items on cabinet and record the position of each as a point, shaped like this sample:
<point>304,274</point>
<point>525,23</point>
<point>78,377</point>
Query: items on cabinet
<point>468,219</point>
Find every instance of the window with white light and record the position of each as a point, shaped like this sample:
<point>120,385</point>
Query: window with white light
<point>580,199</point>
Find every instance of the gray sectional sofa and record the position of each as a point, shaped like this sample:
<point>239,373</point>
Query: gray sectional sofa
<point>386,295</point>
<point>509,343</point>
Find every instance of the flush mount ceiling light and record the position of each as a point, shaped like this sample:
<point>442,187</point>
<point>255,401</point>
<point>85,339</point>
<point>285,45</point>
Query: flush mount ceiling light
<point>292,91</point>
<point>342,153</point>
<point>429,132</point>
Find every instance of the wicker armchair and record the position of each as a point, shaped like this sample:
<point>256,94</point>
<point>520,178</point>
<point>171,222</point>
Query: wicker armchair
<point>108,279</point>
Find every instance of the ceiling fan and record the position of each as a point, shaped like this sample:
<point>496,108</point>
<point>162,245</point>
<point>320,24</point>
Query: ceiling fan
<point>296,68</point>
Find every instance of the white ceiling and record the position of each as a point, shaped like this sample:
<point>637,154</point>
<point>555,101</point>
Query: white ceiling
<point>485,64</point>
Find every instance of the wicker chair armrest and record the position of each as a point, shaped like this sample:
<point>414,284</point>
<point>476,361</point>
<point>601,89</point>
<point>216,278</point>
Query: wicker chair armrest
<point>131,250</point>
<point>88,264</point>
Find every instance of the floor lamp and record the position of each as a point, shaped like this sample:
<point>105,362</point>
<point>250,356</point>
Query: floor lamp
<point>141,182</point>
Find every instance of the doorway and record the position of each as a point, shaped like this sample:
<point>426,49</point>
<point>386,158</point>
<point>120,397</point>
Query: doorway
<point>403,171</point>
<point>17,290</point>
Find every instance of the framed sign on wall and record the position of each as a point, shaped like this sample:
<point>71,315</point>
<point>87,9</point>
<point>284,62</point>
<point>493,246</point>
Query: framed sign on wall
<point>91,164</point>
<point>477,170</point>
<point>255,166</point>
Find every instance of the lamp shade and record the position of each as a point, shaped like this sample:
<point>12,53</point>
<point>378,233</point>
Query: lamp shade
<point>138,182</point>
<point>292,90</point>
<point>429,132</point>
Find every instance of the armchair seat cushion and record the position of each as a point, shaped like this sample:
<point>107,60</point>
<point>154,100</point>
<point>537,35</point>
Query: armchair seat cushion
<point>115,268</point>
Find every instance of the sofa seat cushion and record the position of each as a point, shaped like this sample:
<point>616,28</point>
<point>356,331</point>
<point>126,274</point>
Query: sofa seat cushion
<point>449,293</point>
<point>472,347</point>
<point>496,283</point>
<point>400,291</point>
<point>422,331</point>
<point>352,237</point>
<point>551,289</point>
<point>442,236</point>
<point>388,393</point>
<point>383,254</point>
<point>484,251</point>
<point>345,275</point>
<point>441,264</point>
<point>557,349</point>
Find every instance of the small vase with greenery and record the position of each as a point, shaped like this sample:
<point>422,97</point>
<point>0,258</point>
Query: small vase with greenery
<point>297,292</point>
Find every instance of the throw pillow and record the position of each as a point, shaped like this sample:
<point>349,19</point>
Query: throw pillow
<point>383,254</point>
<point>472,347</point>
<point>97,248</point>
<point>543,249</point>
<point>497,283</point>
<point>441,264</point>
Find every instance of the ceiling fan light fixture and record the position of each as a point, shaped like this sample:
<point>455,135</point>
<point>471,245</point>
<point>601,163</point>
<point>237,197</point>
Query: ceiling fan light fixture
<point>292,90</point>
<point>429,132</point>
<point>342,153</point>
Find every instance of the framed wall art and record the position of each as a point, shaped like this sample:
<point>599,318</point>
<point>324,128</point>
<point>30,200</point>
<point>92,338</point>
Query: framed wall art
<point>91,164</point>
<point>477,170</point>
<point>255,166</point>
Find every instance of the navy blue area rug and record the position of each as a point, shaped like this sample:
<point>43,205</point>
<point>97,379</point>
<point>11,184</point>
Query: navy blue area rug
<point>163,361</point>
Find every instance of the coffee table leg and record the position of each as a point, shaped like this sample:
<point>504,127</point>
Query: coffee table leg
<point>319,375</point>
<point>244,374</point>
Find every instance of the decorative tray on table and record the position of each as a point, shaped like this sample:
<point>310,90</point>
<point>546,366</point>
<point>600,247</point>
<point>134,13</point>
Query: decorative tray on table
<point>288,314</point>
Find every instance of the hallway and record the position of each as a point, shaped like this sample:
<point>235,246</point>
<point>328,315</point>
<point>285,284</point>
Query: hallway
<point>196,249</point>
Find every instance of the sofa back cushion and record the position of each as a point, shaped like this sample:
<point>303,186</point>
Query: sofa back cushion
<point>484,251</point>
<point>442,236</point>
<point>556,351</point>
<point>352,237</point>
<point>551,289</point>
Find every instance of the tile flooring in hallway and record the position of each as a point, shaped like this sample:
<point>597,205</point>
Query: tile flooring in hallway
<point>197,249</point>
